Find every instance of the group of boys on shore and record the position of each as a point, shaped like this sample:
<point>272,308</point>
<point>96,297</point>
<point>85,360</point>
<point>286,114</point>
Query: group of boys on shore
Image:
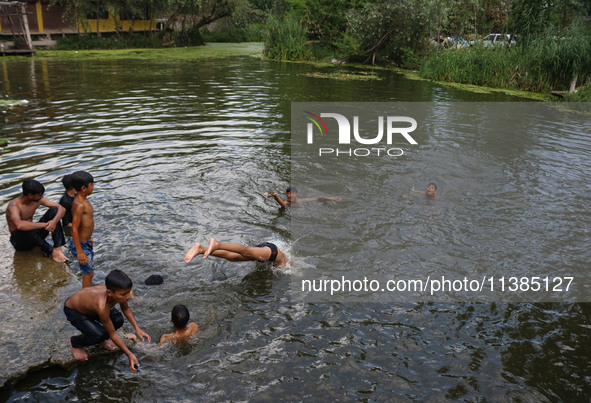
<point>92,309</point>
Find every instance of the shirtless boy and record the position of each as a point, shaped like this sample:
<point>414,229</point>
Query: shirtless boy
<point>26,234</point>
<point>182,330</point>
<point>81,243</point>
<point>92,311</point>
<point>292,198</point>
<point>430,192</point>
<point>235,252</point>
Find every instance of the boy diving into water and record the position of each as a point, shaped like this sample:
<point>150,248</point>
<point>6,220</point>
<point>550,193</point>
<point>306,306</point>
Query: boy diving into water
<point>235,252</point>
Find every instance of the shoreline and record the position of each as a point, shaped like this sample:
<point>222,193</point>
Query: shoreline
<point>255,49</point>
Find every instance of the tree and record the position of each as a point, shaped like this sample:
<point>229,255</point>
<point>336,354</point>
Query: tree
<point>532,17</point>
<point>195,14</point>
<point>400,26</point>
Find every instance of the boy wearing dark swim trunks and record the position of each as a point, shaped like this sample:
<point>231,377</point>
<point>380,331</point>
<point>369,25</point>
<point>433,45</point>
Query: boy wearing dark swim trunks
<point>92,311</point>
<point>81,243</point>
<point>291,194</point>
<point>235,252</point>
<point>26,234</point>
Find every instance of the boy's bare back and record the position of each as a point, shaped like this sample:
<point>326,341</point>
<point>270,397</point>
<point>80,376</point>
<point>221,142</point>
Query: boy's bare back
<point>182,334</point>
<point>90,301</point>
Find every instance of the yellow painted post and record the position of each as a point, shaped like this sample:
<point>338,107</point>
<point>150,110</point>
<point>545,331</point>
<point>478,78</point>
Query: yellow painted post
<point>39,10</point>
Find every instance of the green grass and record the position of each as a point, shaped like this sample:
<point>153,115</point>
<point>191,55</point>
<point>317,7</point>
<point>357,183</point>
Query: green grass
<point>286,39</point>
<point>582,95</point>
<point>546,63</point>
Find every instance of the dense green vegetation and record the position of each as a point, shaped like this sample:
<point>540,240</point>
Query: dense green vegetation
<point>548,61</point>
<point>552,36</point>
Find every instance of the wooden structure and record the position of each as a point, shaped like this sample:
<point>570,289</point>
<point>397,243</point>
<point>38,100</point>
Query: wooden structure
<point>44,20</point>
<point>13,15</point>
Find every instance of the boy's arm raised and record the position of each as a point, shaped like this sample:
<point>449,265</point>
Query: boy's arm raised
<point>105,318</point>
<point>129,315</point>
<point>277,198</point>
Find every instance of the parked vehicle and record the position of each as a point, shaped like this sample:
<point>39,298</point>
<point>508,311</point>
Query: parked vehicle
<point>496,40</point>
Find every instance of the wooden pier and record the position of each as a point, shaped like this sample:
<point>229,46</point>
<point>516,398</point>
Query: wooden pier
<point>15,13</point>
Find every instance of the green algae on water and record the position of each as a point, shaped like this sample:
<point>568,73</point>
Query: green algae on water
<point>213,50</point>
<point>7,103</point>
<point>341,75</point>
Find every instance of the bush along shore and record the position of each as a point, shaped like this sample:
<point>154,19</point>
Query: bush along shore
<point>544,64</point>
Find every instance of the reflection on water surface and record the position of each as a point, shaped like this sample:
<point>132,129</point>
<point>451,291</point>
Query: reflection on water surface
<point>182,150</point>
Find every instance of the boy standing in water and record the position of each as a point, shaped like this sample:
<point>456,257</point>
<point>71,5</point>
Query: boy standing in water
<point>292,198</point>
<point>67,200</point>
<point>92,311</point>
<point>235,252</point>
<point>81,243</point>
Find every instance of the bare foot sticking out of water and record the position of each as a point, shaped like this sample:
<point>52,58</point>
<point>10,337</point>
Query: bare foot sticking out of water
<point>79,353</point>
<point>194,251</point>
<point>109,345</point>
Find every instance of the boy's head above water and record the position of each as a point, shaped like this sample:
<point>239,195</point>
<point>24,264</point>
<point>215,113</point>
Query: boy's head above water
<point>431,189</point>
<point>118,286</point>
<point>291,193</point>
<point>180,316</point>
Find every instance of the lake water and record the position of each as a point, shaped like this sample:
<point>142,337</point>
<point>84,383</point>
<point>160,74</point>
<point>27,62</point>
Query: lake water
<point>182,146</point>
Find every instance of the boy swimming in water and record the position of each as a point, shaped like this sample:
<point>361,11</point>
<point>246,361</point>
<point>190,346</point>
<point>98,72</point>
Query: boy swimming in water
<point>430,192</point>
<point>92,311</point>
<point>179,318</point>
<point>182,330</point>
<point>292,198</point>
<point>235,252</point>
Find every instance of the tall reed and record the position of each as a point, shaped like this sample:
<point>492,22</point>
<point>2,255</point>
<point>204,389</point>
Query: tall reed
<point>286,39</point>
<point>546,63</point>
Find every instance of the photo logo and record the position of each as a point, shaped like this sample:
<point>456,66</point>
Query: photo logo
<point>388,127</point>
<point>317,120</point>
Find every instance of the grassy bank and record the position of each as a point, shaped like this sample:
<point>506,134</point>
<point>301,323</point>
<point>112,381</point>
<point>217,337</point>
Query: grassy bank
<point>544,64</point>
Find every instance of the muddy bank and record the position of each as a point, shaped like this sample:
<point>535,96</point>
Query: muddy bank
<point>34,330</point>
